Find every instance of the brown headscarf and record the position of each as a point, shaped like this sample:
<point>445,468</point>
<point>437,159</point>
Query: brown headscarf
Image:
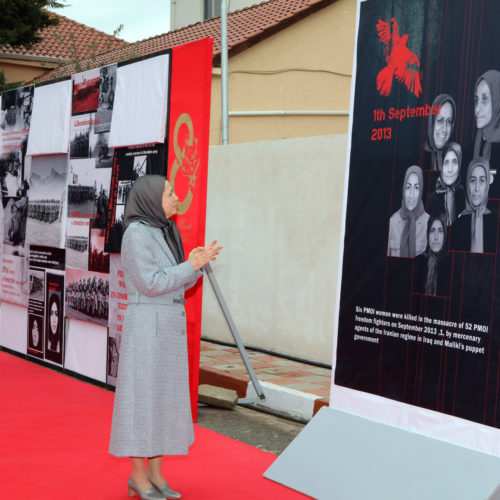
<point>449,189</point>
<point>144,205</point>
<point>408,244</point>
<point>477,241</point>
<point>491,131</point>
<point>429,144</point>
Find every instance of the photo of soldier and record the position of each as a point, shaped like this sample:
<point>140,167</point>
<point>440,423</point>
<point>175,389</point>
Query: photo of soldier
<point>107,86</point>
<point>15,211</point>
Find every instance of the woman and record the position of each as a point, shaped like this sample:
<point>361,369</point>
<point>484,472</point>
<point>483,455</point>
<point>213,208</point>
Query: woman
<point>35,335</point>
<point>487,111</point>
<point>432,268</point>
<point>54,336</point>
<point>448,199</point>
<point>408,226</point>
<point>439,128</point>
<point>476,228</point>
<point>152,412</point>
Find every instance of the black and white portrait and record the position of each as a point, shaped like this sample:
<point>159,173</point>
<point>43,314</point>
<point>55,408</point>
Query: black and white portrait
<point>54,321</point>
<point>14,226</point>
<point>35,333</point>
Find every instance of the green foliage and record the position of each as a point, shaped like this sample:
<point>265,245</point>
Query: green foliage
<point>20,20</point>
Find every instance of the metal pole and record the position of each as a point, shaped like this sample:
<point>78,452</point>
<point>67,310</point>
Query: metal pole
<point>234,333</point>
<point>223,70</point>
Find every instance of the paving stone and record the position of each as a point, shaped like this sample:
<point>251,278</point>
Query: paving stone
<point>217,396</point>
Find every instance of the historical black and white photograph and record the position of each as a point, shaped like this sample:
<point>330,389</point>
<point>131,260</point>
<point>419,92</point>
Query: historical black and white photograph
<point>107,86</point>
<point>46,210</point>
<point>99,149</point>
<point>119,217</point>
<point>35,336</point>
<point>81,128</point>
<point>124,188</point>
<point>98,258</point>
<point>14,225</point>
<point>54,314</point>
<point>36,285</point>
<point>114,343</point>
<point>88,191</point>
<point>86,91</point>
<point>77,243</point>
<point>16,109</point>
<point>11,173</point>
<point>87,296</point>
<point>130,164</point>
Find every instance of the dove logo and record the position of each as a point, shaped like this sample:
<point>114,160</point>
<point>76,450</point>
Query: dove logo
<point>402,63</point>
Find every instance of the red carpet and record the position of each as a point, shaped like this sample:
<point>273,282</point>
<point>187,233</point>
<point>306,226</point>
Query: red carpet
<point>54,433</point>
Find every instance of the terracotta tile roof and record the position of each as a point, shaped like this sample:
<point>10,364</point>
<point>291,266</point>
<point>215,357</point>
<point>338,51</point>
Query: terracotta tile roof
<point>246,27</point>
<point>51,47</point>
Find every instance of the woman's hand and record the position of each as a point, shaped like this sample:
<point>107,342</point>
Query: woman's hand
<point>200,256</point>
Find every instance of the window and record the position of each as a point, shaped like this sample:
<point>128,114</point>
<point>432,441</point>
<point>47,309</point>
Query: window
<point>211,9</point>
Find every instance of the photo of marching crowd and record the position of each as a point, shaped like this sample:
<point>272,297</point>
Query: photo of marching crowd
<point>46,201</point>
<point>77,243</point>
<point>87,296</point>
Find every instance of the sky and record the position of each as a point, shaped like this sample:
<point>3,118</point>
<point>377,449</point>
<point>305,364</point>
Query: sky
<point>105,15</point>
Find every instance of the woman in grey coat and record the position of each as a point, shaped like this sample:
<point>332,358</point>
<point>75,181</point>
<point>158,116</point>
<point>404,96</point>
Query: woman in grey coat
<point>152,412</point>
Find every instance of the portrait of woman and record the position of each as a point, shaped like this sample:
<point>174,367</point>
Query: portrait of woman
<point>408,226</point>
<point>448,198</point>
<point>487,111</point>
<point>476,228</point>
<point>152,411</point>
<point>54,324</point>
<point>432,270</point>
<point>439,129</point>
<point>35,334</point>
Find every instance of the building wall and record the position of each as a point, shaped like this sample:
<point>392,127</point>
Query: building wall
<point>186,12</point>
<point>276,208</point>
<point>22,70</point>
<point>323,42</point>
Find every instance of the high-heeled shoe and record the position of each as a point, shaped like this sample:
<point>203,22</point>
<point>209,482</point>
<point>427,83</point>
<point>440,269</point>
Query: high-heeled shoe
<point>149,494</point>
<point>166,491</point>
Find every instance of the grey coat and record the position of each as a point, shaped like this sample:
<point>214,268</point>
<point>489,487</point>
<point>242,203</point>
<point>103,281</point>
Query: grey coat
<point>152,412</point>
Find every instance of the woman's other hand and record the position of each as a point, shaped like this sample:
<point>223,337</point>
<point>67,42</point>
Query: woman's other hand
<point>200,256</point>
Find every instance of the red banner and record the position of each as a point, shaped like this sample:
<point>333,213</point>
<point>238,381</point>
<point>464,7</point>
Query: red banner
<point>189,125</point>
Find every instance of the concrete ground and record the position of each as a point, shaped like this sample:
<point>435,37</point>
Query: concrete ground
<point>267,432</point>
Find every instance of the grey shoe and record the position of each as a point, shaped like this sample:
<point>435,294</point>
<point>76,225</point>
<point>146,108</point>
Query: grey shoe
<point>166,491</point>
<point>149,494</point>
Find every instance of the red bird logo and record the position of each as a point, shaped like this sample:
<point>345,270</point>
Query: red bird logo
<point>402,63</point>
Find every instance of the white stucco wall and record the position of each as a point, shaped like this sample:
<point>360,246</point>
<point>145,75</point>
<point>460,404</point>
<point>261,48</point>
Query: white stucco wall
<point>276,207</point>
<point>186,12</point>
